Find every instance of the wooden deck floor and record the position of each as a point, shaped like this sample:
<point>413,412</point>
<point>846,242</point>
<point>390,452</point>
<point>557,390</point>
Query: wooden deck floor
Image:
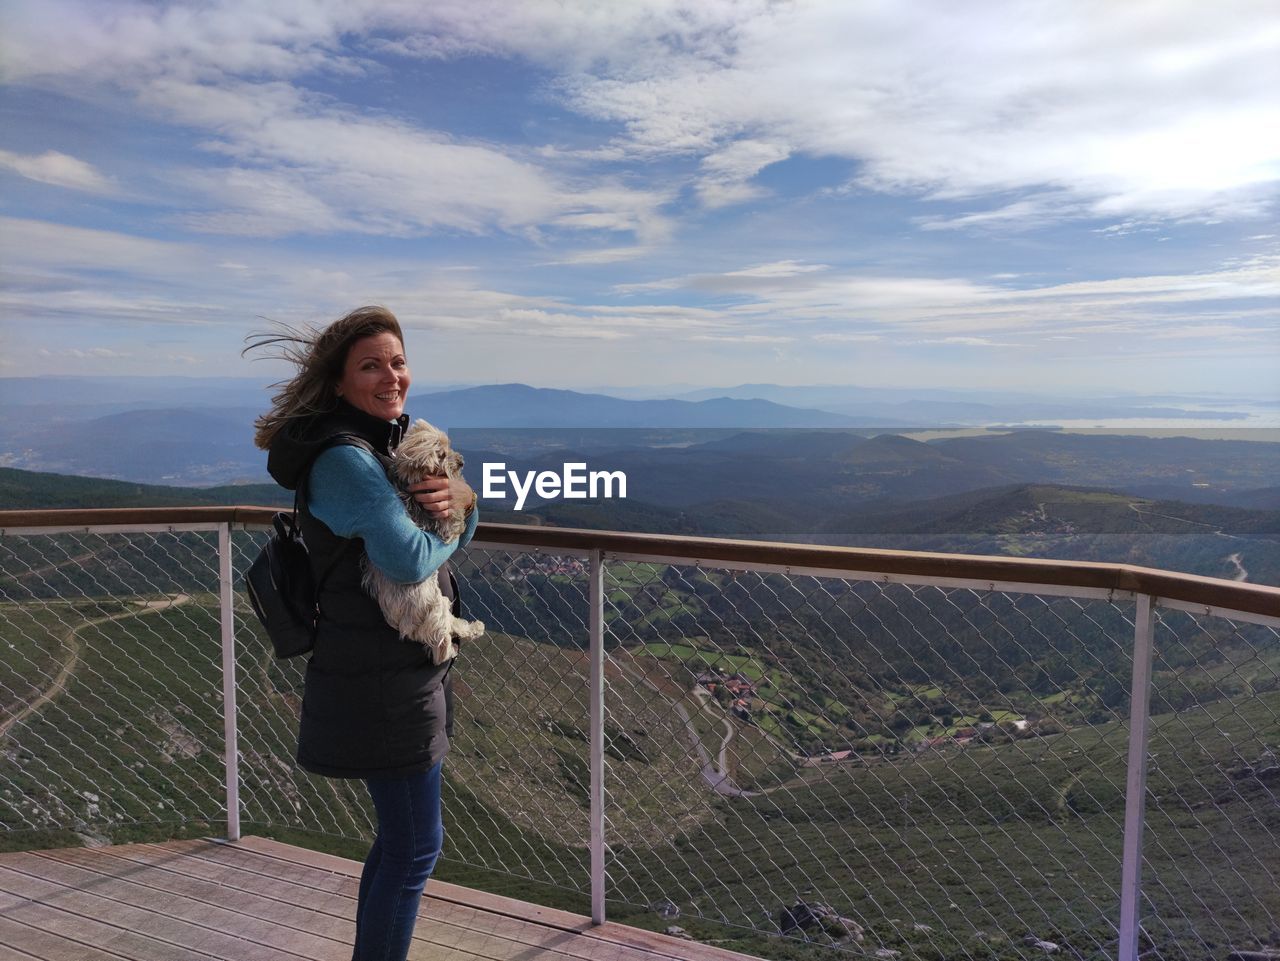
<point>260,900</point>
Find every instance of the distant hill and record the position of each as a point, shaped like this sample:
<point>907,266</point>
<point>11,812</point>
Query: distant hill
<point>199,432</point>
<point>821,472</point>
<point>166,445</point>
<point>1028,520</point>
<point>32,490</point>
<point>895,407</point>
<point>198,444</point>
<point>1263,498</point>
<point>1114,460</point>
<point>1032,493</point>
<point>1074,523</point>
<point>19,393</point>
<point>517,405</point>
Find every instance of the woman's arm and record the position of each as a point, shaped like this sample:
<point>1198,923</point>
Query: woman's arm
<point>472,520</point>
<point>349,491</point>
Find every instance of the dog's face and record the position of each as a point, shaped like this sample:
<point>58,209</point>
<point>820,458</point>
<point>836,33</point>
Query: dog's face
<point>425,452</point>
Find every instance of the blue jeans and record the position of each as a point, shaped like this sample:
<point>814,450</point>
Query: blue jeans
<point>410,835</point>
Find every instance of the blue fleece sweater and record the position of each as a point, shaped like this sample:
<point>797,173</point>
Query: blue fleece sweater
<point>350,493</point>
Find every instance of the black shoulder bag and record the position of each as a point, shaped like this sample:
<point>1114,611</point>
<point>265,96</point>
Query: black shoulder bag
<point>282,590</point>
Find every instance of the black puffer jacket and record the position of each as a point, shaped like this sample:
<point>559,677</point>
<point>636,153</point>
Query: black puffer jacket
<point>374,705</point>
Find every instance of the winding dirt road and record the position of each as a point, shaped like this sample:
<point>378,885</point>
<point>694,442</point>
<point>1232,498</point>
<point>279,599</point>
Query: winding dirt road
<point>73,645</point>
<point>1233,559</point>
<point>1236,561</point>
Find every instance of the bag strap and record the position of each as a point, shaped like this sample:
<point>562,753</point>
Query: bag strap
<point>340,440</point>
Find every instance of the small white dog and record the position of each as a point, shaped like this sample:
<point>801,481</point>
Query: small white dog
<point>420,612</point>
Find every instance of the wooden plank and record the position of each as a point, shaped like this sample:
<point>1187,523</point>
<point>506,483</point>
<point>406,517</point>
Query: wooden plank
<point>263,885</point>
<point>274,902</point>
<point>212,852</point>
<point>222,873</point>
<point>440,890</point>
<point>25,941</point>
<point>43,921</point>
<point>153,919</point>
<point>465,933</point>
<point>213,915</point>
<point>461,926</point>
<point>276,869</point>
<point>617,935</point>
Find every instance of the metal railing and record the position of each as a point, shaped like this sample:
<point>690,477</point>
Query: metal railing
<point>863,751</point>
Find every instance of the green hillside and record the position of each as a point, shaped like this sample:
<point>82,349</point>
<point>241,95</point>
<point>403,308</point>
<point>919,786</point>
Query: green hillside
<point>31,490</point>
<point>1074,523</point>
<point>938,853</point>
<point>1029,520</point>
<point>963,842</point>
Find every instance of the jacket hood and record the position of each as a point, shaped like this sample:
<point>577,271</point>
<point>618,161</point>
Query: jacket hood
<point>301,441</point>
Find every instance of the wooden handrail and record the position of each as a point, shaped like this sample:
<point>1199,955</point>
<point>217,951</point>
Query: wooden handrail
<point>1170,585</point>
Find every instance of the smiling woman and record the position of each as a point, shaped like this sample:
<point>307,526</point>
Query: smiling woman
<point>375,376</point>
<point>321,358</point>
<point>376,706</point>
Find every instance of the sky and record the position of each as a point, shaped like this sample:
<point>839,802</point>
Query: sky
<point>1075,196</point>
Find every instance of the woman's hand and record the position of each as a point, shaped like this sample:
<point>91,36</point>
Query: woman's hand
<point>439,495</point>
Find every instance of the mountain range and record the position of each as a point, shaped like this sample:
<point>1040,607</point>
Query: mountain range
<point>809,474</point>
<point>815,445</point>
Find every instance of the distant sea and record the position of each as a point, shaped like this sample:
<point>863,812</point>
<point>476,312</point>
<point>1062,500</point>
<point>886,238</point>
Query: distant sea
<point>1262,424</point>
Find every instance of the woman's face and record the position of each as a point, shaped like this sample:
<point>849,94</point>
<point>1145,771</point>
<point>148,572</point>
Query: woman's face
<point>375,377</point>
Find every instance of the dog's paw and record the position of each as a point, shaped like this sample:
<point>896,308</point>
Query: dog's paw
<point>467,630</point>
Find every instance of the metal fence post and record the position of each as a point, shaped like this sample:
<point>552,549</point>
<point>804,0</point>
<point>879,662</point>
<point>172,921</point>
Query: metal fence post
<point>226,618</point>
<point>596,625</point>
<point>1136,782</point>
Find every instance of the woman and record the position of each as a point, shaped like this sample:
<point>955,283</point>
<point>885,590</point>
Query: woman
<point>374,707</point>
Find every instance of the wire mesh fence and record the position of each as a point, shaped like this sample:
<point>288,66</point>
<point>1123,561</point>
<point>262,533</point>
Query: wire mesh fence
<point>110,684</point>
<point>793,764</point>
<point>516,780</point>
<point>879,767</point>
<point>274,791</point>
<point>1211,877</point>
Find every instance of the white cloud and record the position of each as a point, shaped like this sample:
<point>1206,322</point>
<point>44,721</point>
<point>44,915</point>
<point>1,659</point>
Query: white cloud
<point>848,338</point>
<point>132,40</point>
<point>1218,332</point>
<point>780,268</point>
<point>1021,214</point>
<point>94,353</point>
<point>1138,113</point>
<point>599,255</point>
<point>261,203</point>
<point>307,166</point>
<point>49,246</point>
<point>301,162</point>
<point>58,169</point>
<point>965,341</point>
<point>1160,108</point>
<point>963,312</point>
<point>742,338</point>
<point>726,174</point>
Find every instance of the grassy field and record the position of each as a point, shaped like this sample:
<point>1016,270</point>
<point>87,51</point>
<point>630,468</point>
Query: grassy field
<point>964,843</point>
<point>979,846</point>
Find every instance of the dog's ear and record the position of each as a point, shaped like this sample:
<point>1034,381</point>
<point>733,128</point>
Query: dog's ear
<point>453,464</point>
